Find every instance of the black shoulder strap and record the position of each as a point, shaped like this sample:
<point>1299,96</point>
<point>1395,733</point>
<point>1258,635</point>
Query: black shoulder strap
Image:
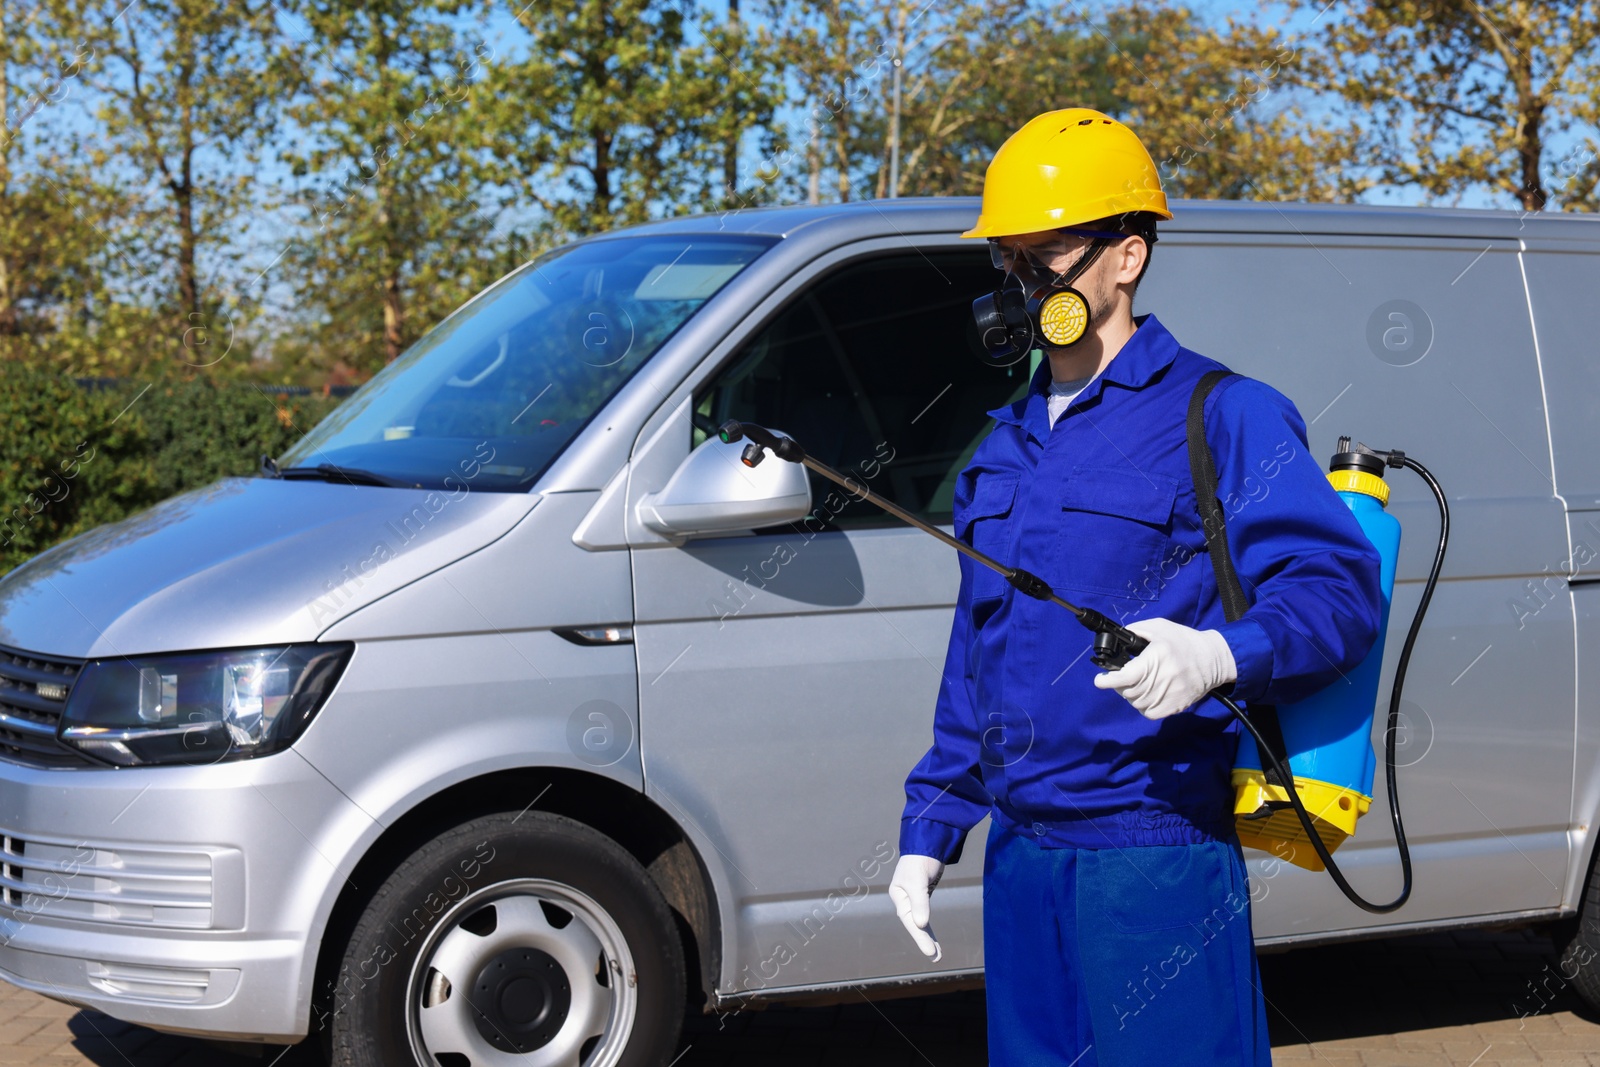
<point>1204,471</point>
<point>1203,468</point>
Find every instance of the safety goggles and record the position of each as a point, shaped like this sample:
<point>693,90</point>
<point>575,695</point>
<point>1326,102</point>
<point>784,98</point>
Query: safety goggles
<point>1044,262</point>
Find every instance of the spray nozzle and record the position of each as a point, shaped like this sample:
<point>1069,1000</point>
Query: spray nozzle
<point>759,437</point>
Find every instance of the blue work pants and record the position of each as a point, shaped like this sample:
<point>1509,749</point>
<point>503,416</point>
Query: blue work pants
<point>1120,957</point>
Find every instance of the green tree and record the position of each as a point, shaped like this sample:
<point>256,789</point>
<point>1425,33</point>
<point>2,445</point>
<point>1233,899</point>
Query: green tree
<point>1210,102</point>
<point>989,69</point>
<point>14,50</point>
<point>401,177</point>
<point>56,253</point>
<point>57,217</point>
<point>1465,94</point>
<point>820,43</point>
<point>615,117</point>
<point>185,95</point>
<point>1221,109</point>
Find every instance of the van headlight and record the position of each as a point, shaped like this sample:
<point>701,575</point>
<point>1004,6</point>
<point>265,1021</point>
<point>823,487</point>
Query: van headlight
<point>199,707</point>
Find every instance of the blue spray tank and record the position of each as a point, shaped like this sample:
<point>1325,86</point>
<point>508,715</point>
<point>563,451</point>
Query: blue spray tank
<point>1327,737</point>
<point>1321,747</point>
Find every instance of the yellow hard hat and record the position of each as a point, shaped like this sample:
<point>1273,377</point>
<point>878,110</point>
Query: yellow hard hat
<point>1065,168</point>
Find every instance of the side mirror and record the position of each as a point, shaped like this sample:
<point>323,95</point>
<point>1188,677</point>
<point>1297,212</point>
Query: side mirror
<point>713,492</point>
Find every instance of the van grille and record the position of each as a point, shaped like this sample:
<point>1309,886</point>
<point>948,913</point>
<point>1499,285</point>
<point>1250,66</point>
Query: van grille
<point>33,693</point>
<point>109,884</point>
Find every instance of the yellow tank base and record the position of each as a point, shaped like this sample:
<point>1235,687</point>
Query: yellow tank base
<point>1334,810</point>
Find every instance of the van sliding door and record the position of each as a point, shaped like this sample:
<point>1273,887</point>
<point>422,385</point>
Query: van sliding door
<point>1423,345</point>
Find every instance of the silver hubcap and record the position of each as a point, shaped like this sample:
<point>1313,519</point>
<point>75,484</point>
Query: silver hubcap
<point>530,965</point>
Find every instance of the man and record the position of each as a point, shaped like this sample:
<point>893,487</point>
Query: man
<point>1116,907</point>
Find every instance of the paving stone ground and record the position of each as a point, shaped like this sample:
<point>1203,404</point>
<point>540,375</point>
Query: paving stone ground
<point>1465,1000</point>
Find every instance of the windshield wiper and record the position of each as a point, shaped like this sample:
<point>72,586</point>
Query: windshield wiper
<point>329,472</point>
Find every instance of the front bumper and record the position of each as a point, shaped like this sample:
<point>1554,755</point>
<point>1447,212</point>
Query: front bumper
<point>186,899</point>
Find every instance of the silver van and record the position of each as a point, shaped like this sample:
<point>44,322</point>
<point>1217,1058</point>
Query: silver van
<point>508,715</point>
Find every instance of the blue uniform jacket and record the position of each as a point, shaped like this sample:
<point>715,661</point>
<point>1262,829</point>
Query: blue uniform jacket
<point>1103,508</point>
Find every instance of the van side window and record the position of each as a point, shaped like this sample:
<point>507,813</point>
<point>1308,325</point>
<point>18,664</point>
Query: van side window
<point>874,369</point>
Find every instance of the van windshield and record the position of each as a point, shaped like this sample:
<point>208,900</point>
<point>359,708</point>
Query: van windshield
<point>490,396</point>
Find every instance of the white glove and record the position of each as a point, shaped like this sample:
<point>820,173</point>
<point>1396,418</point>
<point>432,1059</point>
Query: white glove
<point>910,888</point>
<point>1180,666</point>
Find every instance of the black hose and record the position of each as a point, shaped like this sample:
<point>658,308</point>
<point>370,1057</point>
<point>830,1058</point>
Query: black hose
<point>1389,734</point>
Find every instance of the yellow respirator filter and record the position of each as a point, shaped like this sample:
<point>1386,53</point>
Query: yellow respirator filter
<point>1063,317</point>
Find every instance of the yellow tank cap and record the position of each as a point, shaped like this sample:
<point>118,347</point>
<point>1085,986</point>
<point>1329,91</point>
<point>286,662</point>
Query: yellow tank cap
<point>1360,482</point>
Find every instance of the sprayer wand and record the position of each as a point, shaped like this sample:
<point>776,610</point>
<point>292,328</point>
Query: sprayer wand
<point>1114,644</point>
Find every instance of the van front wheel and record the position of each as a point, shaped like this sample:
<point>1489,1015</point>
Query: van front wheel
<point>528,939</point>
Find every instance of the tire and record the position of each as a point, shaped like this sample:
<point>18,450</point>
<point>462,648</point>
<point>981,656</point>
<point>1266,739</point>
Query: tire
<point>525,939</point>
<point>1580,944</point>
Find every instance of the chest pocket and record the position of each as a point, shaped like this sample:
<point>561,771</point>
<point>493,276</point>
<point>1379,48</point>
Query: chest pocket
<point>1115,533</point>
<point>987,525</point>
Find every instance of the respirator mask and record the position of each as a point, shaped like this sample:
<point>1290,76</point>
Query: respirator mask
<point>1036,304</point>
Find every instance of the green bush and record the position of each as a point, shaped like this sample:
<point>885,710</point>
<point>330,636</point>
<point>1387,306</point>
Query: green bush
<point>73,457</point>
<point>199,431</point>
